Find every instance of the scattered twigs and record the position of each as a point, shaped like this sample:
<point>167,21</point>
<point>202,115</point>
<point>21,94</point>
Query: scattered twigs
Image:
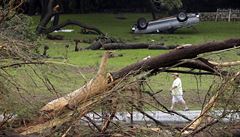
<point>197,121</point>
<point>93,123</point>
<point>6,119</point>
<point>147,115</point>
<point>65,134</point>
<point>9,9</point>
<point>152,93</point>
<point>113,110</point>
<point>169,111</point>
<point>20,64</point>
<point>204,127</point>
<point>107,122</point>
<point>195,124</point>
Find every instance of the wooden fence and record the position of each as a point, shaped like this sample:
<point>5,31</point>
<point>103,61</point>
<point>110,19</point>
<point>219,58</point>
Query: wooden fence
<point>221,15</point>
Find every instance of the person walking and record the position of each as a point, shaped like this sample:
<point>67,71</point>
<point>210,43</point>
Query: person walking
<point>177,92</point>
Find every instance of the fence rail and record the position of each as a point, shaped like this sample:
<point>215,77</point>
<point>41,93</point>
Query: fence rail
<point>221,15</point>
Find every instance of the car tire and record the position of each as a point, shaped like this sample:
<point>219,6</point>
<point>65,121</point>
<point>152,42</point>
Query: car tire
<point>142,23</point>
<point>182,16</point>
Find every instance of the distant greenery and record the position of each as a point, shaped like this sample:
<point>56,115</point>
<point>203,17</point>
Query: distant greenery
<point>167,4</point>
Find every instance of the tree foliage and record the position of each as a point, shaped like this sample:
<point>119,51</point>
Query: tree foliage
<point>166,4</point>
<point>18,27</point>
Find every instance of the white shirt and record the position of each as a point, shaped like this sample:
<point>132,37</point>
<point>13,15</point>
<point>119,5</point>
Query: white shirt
<point>178,91</point>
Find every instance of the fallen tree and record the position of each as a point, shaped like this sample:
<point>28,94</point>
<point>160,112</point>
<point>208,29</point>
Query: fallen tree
<point>114,46</point>
<point>62,110</point>
<point>99,42</point>
<point>106,43</point>
<point>176,56</point>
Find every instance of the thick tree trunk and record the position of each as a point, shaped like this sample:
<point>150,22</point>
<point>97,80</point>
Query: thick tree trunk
<point>114,46</point>
<point>33,6</point>
<point>110,45</point>
<point>174,56</point>
<point>96,45</point>
<point>45,8</point>
<point>46,14</point>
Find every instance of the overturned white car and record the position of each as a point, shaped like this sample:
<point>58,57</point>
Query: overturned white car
<point>166,25</point>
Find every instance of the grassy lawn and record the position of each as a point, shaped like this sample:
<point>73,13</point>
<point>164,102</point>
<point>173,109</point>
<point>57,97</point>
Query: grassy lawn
<point>66,79</point>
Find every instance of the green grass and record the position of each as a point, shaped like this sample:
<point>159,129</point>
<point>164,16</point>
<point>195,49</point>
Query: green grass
<point>66,79</point>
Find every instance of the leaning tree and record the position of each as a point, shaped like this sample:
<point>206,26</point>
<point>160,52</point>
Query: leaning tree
<point>51,10</point>
<point>158,6</point>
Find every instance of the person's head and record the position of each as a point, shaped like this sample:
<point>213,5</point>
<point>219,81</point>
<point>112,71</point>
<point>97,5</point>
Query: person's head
<point>175,75</point>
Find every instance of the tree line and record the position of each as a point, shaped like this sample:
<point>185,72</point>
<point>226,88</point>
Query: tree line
<point>87,6</point>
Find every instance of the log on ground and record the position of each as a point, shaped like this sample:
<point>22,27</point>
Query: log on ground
<point>114,46</point>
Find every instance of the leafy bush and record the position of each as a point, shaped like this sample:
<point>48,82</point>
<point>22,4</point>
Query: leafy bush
<point>18,27</point>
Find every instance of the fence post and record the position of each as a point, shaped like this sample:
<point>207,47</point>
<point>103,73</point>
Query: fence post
<point>216,18</point>
<point>229,15</point>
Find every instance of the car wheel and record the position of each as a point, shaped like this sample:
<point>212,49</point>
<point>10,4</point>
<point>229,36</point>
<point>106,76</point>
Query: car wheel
<point>182,16</point>
<point>142,23</point>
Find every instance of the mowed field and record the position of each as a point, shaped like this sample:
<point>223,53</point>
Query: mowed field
<point>66,78</point>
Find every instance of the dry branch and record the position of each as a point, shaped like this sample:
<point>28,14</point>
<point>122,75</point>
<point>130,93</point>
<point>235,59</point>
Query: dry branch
<point>210,105</point>
<point>72,22</point>
<point>61,119</point>
<point>225,64</point>
<point>93,87</point>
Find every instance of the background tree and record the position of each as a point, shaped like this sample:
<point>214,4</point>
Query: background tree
<point>164,6</point>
